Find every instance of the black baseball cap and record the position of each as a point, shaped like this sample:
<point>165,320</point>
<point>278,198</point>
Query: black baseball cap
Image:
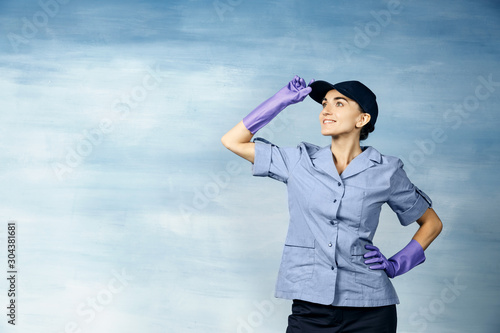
<point>355,90</point>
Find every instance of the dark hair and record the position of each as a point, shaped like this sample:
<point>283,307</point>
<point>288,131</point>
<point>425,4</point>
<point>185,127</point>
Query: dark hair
<point>364,133</point>
<point>367,129</point>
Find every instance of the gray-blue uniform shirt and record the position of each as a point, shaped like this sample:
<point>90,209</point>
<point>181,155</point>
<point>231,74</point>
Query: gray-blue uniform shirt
<point>332,217</point>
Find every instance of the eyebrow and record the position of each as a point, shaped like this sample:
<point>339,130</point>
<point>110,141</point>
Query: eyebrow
<point>335,98</point>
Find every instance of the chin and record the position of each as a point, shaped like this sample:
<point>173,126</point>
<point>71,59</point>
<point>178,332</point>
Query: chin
<point>326,133</point>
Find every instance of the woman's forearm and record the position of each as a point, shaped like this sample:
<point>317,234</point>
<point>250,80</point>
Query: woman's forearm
<point>430,227</point>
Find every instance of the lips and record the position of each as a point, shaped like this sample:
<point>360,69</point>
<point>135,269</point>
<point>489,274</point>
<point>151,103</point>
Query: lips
<point>328,121</point>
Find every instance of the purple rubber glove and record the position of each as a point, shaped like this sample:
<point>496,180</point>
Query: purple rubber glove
<point>295,91</point>
<point>400,263</point>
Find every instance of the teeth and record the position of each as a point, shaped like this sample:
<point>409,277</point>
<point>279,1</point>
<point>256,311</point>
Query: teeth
<point>327,121</point>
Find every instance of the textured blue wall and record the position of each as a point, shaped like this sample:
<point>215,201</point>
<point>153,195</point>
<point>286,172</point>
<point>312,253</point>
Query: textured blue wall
<point>133,217</point>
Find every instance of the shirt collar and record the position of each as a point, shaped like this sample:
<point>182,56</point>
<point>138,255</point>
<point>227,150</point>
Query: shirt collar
<point>323,159</point>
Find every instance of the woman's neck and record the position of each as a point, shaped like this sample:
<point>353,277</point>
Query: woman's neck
<point>344,150</point>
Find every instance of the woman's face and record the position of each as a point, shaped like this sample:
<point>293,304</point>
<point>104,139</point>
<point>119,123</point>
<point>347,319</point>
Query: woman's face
<point>341,115</point>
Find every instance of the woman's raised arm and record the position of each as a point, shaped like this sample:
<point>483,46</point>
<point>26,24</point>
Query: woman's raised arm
<point>238,139</point>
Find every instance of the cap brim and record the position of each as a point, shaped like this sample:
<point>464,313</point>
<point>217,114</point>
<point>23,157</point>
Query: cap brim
<point>319,90</point>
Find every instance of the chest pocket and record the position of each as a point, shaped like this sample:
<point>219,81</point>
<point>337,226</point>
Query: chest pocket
<point>351,207</point>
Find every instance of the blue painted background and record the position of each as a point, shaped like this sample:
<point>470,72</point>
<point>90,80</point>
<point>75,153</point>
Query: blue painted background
<point>132,217</point>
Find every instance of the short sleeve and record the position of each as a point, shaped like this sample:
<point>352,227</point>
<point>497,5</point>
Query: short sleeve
<point>406,200</point>
<point>273,161</point>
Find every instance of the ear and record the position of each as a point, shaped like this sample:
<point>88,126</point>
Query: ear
<point>363,119</point>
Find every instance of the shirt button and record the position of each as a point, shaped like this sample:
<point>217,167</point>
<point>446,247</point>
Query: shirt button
<point>330,244</point>
<point>333,268</point>
<point>332,222</point>
<point>339,184</point>
<point>335,200</point>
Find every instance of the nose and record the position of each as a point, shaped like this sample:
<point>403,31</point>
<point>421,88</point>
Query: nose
<point>325,111</point>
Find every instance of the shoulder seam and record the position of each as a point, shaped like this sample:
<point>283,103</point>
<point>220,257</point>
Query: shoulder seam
<point>298,160</point>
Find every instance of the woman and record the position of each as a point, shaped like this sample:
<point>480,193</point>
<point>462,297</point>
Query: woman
<point>337,279</point>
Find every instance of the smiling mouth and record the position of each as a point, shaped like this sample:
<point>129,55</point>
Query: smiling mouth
<point>328,121</point>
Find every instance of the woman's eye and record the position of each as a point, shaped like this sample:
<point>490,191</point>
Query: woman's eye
<point>339,104</point>
<point>324,105</point>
